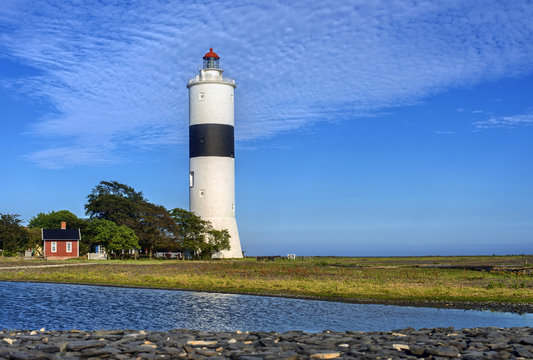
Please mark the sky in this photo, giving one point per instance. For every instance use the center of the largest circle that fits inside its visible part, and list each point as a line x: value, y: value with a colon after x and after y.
x: 363, y: 128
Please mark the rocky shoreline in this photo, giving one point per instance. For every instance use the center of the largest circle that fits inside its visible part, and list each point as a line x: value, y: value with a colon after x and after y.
x: 438, y: 343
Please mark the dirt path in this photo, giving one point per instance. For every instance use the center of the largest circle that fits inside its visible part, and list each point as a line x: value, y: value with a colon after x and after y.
x: 43, y: 266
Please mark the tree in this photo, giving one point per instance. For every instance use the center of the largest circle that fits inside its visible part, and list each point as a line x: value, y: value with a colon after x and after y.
x: 120, y: 203
x: 124, y: 238
x: 35, y: 240
x: 53, y: 219
x: 113, y: 237
x: 157, y: 227
x: 111, y: 200
x: 198, y: 235
x: 216, y: 240
x: 13, y: 237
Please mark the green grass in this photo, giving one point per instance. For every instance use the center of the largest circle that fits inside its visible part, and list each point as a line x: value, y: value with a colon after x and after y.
x: 382, y: 279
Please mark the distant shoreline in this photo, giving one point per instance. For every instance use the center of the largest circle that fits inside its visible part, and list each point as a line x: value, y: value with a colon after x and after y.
x: 516, y: 308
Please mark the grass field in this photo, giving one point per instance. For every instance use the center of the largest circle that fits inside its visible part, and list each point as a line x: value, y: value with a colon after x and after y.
x: 350, y: 279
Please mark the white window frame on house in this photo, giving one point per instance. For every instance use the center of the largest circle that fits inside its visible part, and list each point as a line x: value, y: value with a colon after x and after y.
x: 69, y: 246
x: 53, y: 246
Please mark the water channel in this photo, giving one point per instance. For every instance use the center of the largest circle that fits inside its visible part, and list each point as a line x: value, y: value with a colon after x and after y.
x: 83, y: 307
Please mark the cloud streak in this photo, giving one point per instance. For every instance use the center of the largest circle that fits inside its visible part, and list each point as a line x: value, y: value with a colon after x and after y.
x: 116, y: 75
x: 506, y: 122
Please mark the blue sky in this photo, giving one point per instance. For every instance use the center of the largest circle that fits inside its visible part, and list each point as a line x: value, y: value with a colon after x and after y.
x: 363, y: 128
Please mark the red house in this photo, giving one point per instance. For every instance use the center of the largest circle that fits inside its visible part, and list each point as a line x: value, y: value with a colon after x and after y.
x: 61, y: 244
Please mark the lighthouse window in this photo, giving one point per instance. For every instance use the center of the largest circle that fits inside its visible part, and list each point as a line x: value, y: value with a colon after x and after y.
x: 201, y: 96
x: 202, y: 140
x: 191, y: 179
x: 202, y: 193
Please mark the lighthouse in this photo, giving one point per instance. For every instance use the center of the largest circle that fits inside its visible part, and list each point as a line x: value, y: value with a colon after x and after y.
x: 212, y: 150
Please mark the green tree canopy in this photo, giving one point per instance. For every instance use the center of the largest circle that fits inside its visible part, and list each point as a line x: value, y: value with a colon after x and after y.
x: 13, y: 237
x: 111, y: 200
x: 198, y: 235
x: 120, y: 203
x: 35, y: 240
x: 215, y: 241
x: 53, y: 219
x: 113, y: 237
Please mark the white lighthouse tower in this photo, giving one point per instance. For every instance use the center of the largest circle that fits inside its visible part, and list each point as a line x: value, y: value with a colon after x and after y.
x: 212, y: 150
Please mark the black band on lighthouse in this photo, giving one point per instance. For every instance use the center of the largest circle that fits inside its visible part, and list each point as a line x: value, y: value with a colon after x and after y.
x: 211, y: 140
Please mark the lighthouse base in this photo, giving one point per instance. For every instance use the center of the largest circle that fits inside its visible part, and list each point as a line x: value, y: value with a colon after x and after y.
x: 230, y: 224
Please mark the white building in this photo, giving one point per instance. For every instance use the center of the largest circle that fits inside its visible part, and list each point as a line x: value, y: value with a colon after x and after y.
x: 212, y: 150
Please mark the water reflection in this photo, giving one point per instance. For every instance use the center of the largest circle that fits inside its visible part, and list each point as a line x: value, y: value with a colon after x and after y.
x: 59, y: 306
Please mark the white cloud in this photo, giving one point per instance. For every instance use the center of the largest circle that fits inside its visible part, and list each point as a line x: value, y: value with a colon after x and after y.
x: 70, y: 156
x: 117, y: 74
x: 508, y: 122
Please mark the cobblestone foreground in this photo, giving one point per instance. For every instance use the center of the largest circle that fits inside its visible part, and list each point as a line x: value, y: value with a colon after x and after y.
x: 439, y: 343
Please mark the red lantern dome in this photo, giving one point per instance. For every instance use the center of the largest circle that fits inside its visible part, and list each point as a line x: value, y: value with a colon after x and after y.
x: 211, y: 60
x: 211, y: 54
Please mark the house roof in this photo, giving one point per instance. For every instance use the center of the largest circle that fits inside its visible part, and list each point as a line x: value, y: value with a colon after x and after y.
x: 61, y: 234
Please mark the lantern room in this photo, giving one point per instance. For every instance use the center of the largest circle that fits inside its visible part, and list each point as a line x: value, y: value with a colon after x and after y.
x: 211, y: 60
